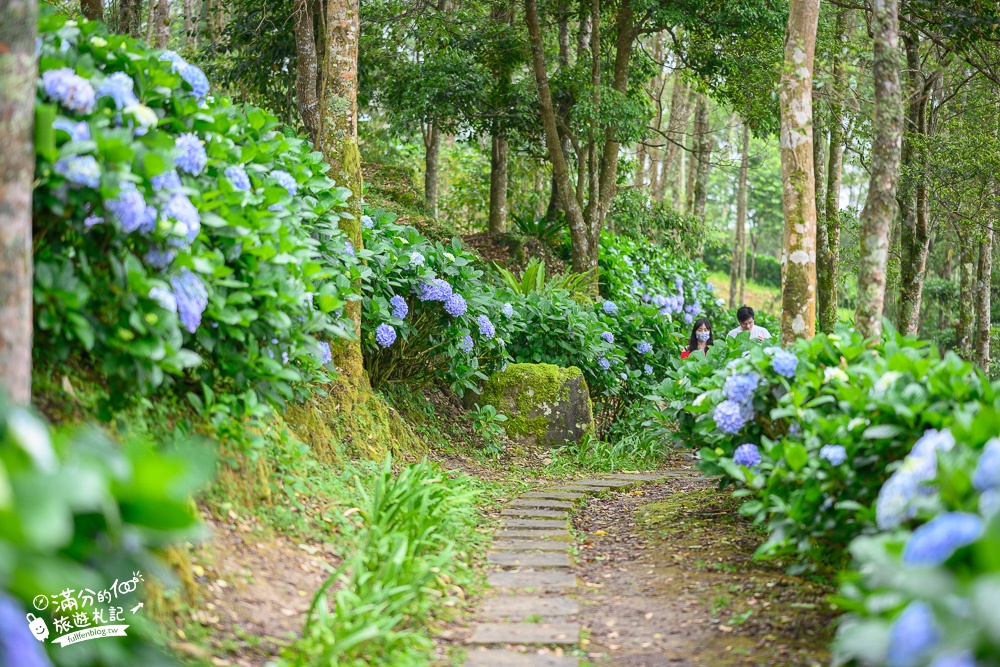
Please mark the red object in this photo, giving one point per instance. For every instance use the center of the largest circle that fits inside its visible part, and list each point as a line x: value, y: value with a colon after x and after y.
x: 685, y: 354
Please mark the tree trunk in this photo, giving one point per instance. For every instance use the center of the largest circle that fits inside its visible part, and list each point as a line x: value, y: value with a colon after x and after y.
x: 307, y: 80
x: 675, y: 125
x: 655, y: 150
x: 798, y: 258
x: 966, y: 294
x: 754, y: 240
x: 18, y: 71
x: 704, y: 158
x: 819, y: 176
x: 640, y: 165
x: 432, y: 150
x: 161, y: 28
x: 691, y: 175
x: 498, y: 184
x: 93, y: 9
x: 679, y: 185
x: 738, y: 270
x: 880, y: 204
x: 983, y: 288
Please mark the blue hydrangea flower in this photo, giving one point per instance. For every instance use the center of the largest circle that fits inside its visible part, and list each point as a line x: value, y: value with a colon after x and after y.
x: 399, y: 307
x: 76, y: 131
x: 647, y: 369
x: 608, y: 337
x: 192, y: 157
x: 192, y: 298
x: 118, y: 87
x: 285, y: 180
x: 637, y: 284
x: 237, y: 175
x: 794, y: 428
x: 740, y: 388
x: 784, y: 363
x: 921, y: 462
x: 131, y: 211
x: 274, y: 208
x: 729, y: 417
x: 688, y: 318
x: 385, y: 335
x: 747, y: 455
x: 176, y: 62
x: 610, y: 307
x: 604, y: 364
x: 644, y: 348
x: 367, y: 221
x: 325, y: 354
x: 645, y: 269
x: 168, y: 180
x: 159, y: 259
x: 660, y: 301
x: 455, y: 305
x: 183, y: 211
x: 164, y: 297
x: 679, y: 283
x: 987, y: 475
x: 196, y: 79
x: 80, y: 170
x: 710, y: 287
x: 989, y: 502
x: 92, y: 220
x: 486, y: 327
x: 893, y: 504
x: 960, y: 659
x: 913, y: 636
x: 507, y: 309
x: 435, y: 290
x: 835, y: 454
x: 416, y: 259
x: 72, y: 91
x: 18, y: 646
x: 694, y: 309
x: 466, y: 344
x: 934, y: 542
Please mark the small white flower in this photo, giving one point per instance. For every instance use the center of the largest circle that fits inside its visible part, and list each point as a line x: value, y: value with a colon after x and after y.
x: 99, y: 42
x: 831, y: 373
x: 856, y: 422
x: 143, y: 115
x: 884, y: 382
x: 700, y: 399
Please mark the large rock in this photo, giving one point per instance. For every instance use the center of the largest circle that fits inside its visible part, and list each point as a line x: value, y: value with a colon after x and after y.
x: 545, y: 404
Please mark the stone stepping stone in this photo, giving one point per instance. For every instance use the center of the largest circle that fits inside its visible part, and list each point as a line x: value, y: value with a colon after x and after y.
x: 495, y: 657
x: 523, y: 606
x: 526, y: 633
x: 640, y: 477
x: 528, y: 559
x: 609, y: 483
x: 530, y: 545
x: 545, y: 504
x: 527, y: 512
x: 533, y: 523
x: 531, y: 533
x: 553, y: 580
x: 554, y: 495
x: 583, y: 488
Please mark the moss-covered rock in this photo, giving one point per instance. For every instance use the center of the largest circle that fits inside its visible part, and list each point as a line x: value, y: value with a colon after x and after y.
x: 545, y: 404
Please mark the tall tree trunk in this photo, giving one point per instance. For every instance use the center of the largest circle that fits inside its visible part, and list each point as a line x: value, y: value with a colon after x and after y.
x: 983, y: 288
x: 738, y: 270
x: 432, y: 150
x: 18, y: 71
x: 966, y: 293
x: 703, y: 158
x: 880, y: 204
x: 691, y: 176
x: 161, y: 28
x: 307, y: 80
x: 678, y: 100
x: 754, y: 240
x: 93, y: 9
x: 640, y: 165
x: 679, y: 186
x: 655, y: 150
x: 498, y: 184
x: 828, y: 260
x: 798, y: 257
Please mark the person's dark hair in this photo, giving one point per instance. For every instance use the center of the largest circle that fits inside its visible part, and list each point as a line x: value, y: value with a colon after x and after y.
x: 693, y: 341
x: 744, y: 314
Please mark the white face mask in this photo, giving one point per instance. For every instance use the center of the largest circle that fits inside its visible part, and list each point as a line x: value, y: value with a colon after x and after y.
x: 703, y: 336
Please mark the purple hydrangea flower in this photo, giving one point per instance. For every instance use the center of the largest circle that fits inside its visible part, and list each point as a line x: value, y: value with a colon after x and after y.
x: 913, y: 636
x: 486, y: 327
x: 608, y: 337
x: 159, y: 259
x: 285, y: 180
x: 604, y: 364
x: 168, y: 180
x: 987, y: 474
x: 455, y: 305
x: 325, y: 355
x: 118, y: 87
x: 416, y: 259
x: 729, y: 417
x: 192, y: 157
x: 164, y: 297
x: 747, y: 455
x: 367, y: 222
x: 647, y: 369
x: 195, y: 78
x: 399, y: 307
x: 237, y: 175
x: 835, y: 454
x: 176, y: 62
x: 183, y: 211
x: 466, y: 344
x: 934, y: 542
x: 80, y: 170
x: 385, y: 335
x: 507, y: 310
x: 610, y: 307
x: 18, y: 646
x: 349, y: 248
x: 70, y: 90
x: 644, y: 348
x: 740, y: 388
x: 76, y: 131
x: 688, y: 318
x: 131, y: 211
x: 192, y: 298
x: 784, y: 363
x: 92, y: 220
x: 436, y: 290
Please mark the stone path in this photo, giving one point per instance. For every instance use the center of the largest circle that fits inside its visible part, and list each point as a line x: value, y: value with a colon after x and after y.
x: 532, y: 621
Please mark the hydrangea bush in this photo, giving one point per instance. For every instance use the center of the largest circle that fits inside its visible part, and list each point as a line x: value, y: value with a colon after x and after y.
x: 179, y: 238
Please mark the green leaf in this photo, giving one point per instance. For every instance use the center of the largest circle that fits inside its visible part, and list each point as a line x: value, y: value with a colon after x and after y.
x: 45, y: 134
x: 881, y: 432
x: 795, y: 455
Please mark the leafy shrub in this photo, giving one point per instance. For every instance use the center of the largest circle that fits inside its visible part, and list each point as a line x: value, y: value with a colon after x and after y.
x: 634, y: 214
x: 532, y: 279
x: 547, y: 230
x: 179, y: 238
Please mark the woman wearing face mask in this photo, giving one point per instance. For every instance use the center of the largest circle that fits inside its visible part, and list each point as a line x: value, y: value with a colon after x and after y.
x: 701, y: 338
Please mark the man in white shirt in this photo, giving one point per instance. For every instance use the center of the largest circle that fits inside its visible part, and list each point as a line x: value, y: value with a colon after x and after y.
x: 745, y: 317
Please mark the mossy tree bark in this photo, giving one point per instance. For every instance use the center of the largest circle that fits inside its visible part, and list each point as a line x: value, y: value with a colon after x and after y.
x: 703, y: 157
x: 798, y: 257
x: 432, y: 150
x: 880, y: 204
x: 18, y: 70
x: 93, y: 9
x: 983, y: 293
x: 498, y: 183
